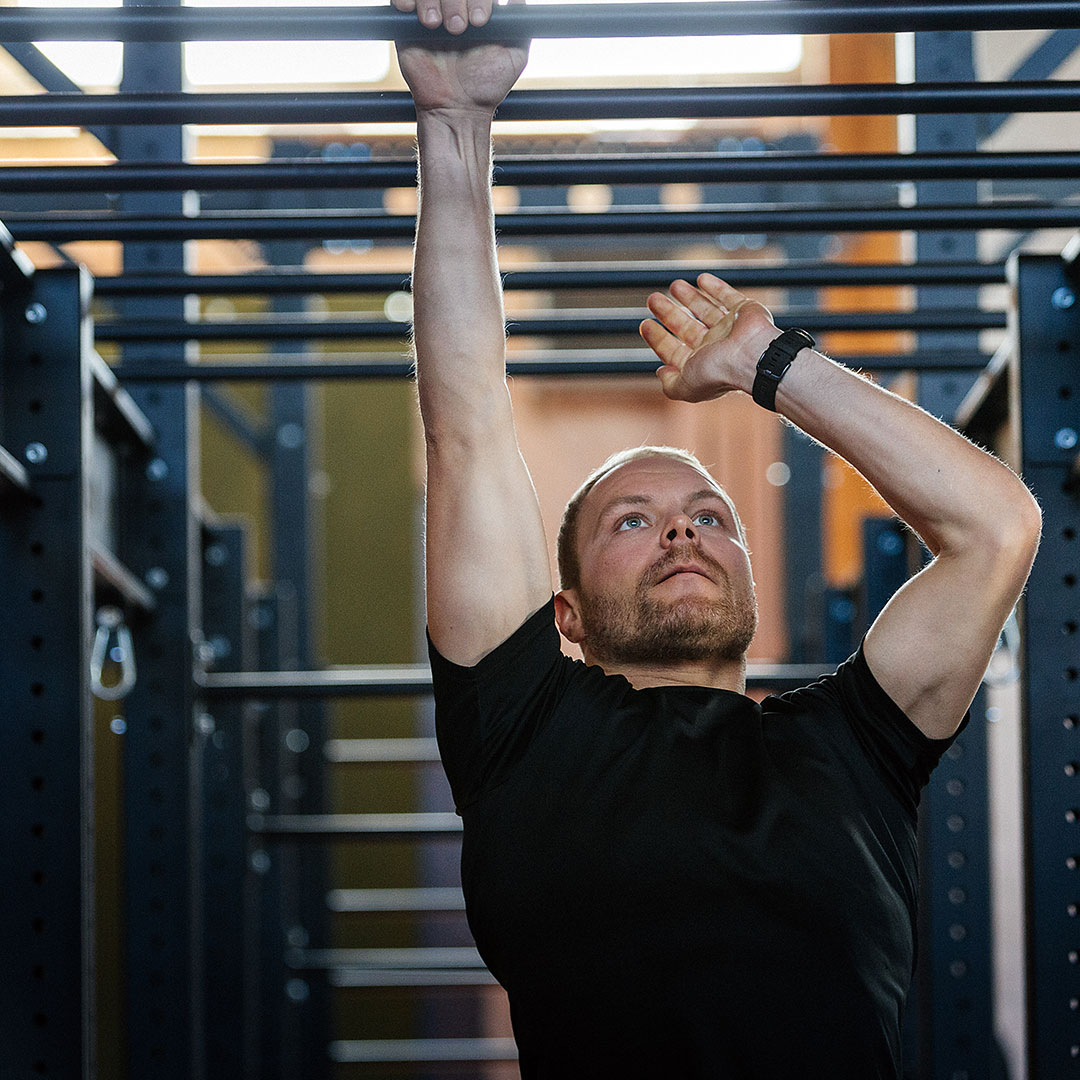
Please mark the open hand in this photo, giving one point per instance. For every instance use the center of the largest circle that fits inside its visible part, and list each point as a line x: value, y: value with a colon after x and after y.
x: 452, y: 75
x: 709, y: 338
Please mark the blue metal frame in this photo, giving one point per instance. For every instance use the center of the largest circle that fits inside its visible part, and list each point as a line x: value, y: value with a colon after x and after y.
x: 46, y: 875
x: 952, y: 1006
x: 1046, y: 374
x: 161, y: 542
x: 227, y: 942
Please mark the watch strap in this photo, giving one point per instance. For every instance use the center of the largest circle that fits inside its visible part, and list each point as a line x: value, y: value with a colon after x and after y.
x: 774, y: 362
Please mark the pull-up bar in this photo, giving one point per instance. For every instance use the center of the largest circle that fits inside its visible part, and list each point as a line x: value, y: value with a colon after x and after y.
x: 66, y: 227
x: 553, y: 363
x: 563, y: 276
x: 697, y: 102
x: 519, y: 21
x: 567, y: 324
x: 524, y: 172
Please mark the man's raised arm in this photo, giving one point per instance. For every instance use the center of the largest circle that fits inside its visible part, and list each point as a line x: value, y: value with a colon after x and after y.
x: 931, y: 645
x: 487, y: 562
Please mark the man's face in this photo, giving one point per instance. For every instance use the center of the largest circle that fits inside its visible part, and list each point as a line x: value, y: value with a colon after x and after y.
x: 665, y: 576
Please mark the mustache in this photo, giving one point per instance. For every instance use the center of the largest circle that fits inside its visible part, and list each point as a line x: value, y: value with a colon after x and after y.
x: 663, y: 566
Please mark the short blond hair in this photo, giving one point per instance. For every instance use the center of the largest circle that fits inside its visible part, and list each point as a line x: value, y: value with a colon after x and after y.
x: 566, y: 544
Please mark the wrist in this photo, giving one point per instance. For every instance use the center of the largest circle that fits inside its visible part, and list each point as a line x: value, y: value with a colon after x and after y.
x: 755, y: 346
x: 455, y: 146
x: 455, y: 117
x: 776, y: 359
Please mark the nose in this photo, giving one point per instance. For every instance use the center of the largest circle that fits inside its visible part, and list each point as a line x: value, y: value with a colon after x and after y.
x: 679, y: 528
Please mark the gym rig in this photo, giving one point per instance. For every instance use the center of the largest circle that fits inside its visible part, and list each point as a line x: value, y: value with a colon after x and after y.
x: 226, y: 964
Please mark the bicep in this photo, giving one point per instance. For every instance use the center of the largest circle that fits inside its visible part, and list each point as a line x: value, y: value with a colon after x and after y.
x: 930, y: 646
x: 487, y: 559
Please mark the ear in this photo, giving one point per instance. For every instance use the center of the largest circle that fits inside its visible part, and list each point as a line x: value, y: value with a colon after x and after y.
x: 568, y: 616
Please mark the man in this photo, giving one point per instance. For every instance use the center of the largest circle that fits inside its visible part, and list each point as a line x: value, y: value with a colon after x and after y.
x: 669, y: 879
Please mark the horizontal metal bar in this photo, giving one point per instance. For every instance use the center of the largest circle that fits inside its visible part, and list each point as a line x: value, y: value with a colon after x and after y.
x: 352, y: 978
x: 699, y: 102
x: 374, y: 750
x: 13, y: 474
x: 986, y: 404
x: 372, y: 680
x: 113, y: 579
x: 321, y: 826
x: 414, y: 680
x: 348, y: 1051
x: 576, y: 362
x: 115, y: 409
x: 526, y: 172
x: 419, y: 899
x: 385, y: 959
x: 570, y: 324
x: 565, y: 276
x: 167, y: 23
x: 16, y: 269
x: 62, y: 228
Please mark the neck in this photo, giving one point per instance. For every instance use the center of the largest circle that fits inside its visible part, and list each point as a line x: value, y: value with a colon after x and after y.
x: 718, y: 674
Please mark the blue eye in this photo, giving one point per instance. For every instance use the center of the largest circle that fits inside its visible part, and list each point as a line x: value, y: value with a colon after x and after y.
x: 706, y: 518
x: 632, y: 521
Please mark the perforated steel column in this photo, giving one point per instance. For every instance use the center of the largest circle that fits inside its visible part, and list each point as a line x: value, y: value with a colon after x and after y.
x: 954, y: 981
x: 46, y: 873
x: 228, y: 969
x: 1047, y: 375
x: 160, y: 542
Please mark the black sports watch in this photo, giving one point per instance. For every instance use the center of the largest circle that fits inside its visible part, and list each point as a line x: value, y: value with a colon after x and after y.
x: 775, y: 361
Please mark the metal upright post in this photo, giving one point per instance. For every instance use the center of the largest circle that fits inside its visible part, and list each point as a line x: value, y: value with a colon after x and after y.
x: 952, y: 1003
x: 1046, y: 400
x: 160, y: 541
x: 223, y: 820
x: 46, y: 874
x: 263, y: 753
x: 292, y: 429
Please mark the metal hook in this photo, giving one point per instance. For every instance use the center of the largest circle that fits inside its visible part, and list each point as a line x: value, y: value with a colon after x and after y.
x: 111, y: 626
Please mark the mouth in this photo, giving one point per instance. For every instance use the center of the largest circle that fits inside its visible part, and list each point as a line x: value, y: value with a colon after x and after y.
x: 675, y: 571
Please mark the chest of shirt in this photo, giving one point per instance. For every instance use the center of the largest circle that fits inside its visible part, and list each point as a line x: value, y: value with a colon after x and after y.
x: 686, y: 829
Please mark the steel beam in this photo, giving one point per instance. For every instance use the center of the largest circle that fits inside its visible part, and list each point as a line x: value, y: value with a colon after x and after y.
x: 175, y: 24
x: 395, y: 107
x: 63, y: 228
x: 1046, y: 372
x: 48, y: 986
x: 13, y: 475
x: 384, y: 1051
x: 588, y: 322
x: 227, y: 942
x: 564, y: 276
x: 160, y: 542
x: 557, y: 364
x: 768, y: 167
x: 411, y: 680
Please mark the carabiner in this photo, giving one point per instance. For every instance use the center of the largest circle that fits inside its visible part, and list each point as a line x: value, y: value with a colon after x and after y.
x: 111, y: 626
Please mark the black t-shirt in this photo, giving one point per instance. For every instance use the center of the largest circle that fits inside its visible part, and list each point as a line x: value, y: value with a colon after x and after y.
x: 679, y: 882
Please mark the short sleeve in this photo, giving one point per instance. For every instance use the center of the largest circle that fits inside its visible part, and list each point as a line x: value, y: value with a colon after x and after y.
x: 487, y: 715
x: 901, y: 753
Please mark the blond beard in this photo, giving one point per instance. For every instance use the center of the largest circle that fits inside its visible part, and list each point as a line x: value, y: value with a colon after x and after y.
x: 640, y: 629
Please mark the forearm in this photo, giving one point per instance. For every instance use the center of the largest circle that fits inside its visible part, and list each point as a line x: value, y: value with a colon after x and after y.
x: 458, y: 314
x: 954, y: 495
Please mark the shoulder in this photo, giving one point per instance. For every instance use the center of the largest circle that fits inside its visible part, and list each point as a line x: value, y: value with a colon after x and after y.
x: 849, y: 709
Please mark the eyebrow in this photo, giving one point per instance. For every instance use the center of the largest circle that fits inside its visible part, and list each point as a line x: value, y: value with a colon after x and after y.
x: 644, y: 500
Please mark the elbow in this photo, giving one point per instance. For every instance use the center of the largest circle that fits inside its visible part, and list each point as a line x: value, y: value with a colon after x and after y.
x: 456, y: 416
x: 1011, y: 539
x: 1004, y: 533
x: 1023, y: 530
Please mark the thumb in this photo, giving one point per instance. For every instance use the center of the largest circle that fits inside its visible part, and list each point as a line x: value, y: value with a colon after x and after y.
x: 669, y: 380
